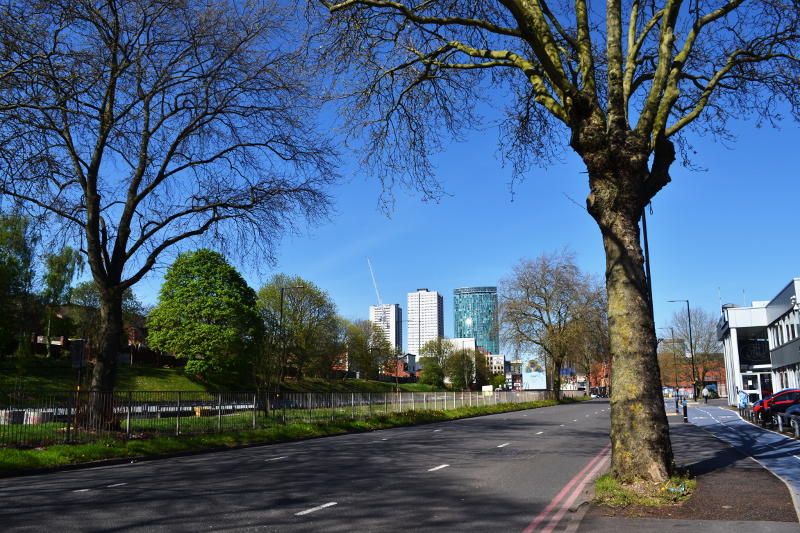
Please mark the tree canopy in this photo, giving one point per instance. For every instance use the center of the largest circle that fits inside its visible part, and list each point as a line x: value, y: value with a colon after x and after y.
x: 206, y: 313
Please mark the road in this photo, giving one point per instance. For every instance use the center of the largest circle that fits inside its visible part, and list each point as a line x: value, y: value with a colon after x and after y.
x: 505, y: 472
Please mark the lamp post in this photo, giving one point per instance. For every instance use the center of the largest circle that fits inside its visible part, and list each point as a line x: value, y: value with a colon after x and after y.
x: 283, y: 340
x: 691, y: 345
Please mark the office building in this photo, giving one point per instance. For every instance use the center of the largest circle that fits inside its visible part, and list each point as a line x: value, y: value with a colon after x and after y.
x: 475, y: 313
x: 425, y: 318
x: 761, y: 343
x: 389, y: 317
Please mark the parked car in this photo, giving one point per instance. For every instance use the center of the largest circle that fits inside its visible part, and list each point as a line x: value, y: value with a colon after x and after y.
x: 777, y: 403
x: 793, y: 409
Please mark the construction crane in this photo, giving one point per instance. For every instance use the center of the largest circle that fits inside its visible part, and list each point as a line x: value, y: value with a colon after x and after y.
x: 384, y: 322
x: 383, y: 319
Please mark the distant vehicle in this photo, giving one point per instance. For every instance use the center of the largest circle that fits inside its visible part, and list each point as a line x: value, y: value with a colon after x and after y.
x: 777, y: 403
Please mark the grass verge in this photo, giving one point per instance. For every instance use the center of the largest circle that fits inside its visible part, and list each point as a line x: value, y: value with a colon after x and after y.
x: 613, y: 493
x: 13, y: 460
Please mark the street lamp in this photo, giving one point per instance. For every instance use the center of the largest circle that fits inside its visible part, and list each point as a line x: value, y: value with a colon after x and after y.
x: 283, y: 339
x: 691, y: 345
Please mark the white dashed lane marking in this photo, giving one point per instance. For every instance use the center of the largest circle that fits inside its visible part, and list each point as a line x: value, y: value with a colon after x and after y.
x: 275, y: 458
x: 540, y: 432
x: 503, y: 445
x: 116, y: 485
x: 317, y: 508
x: 437, y: 468
x: 81, y: 490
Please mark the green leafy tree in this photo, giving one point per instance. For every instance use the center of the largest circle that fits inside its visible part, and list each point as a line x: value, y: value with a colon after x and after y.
x: 61, y: 269
x: 369, y: 351
x: 459, y: 368
x: 17, y: 245
x: 303, y: 335
x: 498, y: 381
x: 206, y: 313
x: 432, y: 357
x: 621, y: 84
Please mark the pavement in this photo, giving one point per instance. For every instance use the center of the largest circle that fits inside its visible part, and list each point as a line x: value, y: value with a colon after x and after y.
x: 748, y: 479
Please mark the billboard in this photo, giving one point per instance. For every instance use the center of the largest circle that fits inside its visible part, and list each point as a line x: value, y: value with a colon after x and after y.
x: 533, y: 376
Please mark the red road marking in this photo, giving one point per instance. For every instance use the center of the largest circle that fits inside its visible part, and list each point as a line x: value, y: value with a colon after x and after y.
x: 569, y: 501
x: 536, y: 521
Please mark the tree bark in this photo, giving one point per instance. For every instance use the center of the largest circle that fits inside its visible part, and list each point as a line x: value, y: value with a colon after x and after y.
x: 99, y: 414
x: 109, y: 338
x: 618, y: 173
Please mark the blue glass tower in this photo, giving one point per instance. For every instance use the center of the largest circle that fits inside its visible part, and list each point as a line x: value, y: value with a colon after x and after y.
x: 476, y: 316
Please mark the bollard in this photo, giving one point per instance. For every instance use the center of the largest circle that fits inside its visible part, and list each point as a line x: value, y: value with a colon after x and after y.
x: 676, y: 405
x: 685, y: 412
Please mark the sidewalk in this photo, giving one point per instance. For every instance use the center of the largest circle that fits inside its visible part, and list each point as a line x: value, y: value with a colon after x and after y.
x: 734, y: 492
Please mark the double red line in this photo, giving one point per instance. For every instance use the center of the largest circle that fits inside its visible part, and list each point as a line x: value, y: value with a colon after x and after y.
x: 564, y: 499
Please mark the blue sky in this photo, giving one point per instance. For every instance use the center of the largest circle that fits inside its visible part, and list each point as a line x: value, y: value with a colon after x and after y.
x: 713, y: 233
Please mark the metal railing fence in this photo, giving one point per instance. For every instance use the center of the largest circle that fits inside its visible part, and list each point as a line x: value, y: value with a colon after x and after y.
x: 31, y: 418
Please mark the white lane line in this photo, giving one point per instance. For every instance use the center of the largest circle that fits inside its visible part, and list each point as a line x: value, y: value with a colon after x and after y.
x: 435, y: 430
x: 384, y: 439
x: 275, y: 458
x: 504, y: 445
x: 317, y: 508
x: 561, y: 425
x: 81, y: 490
x: 115, y: 485
x: 797, y: 457
x: 437, y: 468
x: 574, y: 420
x: 540, y: 432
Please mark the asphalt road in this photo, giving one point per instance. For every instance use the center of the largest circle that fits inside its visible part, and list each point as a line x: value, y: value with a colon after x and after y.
x: 492, y: 473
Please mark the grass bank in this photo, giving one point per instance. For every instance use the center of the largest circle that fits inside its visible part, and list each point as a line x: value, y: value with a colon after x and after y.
x: 45, y: 374
x: 13, y: 460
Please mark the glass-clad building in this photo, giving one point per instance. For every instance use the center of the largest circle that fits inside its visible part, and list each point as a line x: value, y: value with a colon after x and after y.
x: 476, y: 316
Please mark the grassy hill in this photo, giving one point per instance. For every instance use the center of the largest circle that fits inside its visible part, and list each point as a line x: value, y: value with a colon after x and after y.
x: 41, y: 373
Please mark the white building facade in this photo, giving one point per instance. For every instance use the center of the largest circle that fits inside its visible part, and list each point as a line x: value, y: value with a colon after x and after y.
x: 761, y: 344
x: 425, y: 318
x: 389, y: 317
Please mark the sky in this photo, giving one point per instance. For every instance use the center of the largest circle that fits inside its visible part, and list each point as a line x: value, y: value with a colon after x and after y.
x: 728, y: 233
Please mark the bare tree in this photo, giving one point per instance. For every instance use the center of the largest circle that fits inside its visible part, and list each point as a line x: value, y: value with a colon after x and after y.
x: 705, y: 346
x: 619, y: 86
x: 543, y: 305
x: 141, y: 125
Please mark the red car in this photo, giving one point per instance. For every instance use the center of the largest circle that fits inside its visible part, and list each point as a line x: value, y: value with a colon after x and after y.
x: 777, y: 403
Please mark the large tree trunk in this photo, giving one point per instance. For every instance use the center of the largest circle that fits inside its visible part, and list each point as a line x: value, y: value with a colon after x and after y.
x: 639, y: 428
x: 99, y: 410
x: 618, y: 173
x: 109, y: 337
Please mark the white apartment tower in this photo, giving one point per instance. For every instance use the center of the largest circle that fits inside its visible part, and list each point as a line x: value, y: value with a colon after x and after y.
x: 389, y: 317
x: 425, y: 318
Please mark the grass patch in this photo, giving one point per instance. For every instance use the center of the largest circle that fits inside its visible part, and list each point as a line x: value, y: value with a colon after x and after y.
x: 63, y: 454
x: 611, y: 492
